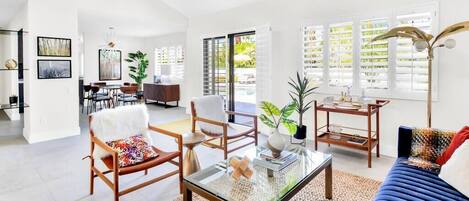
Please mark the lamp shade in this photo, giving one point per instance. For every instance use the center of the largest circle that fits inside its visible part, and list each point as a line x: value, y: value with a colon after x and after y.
x: 450, y: 43
x: 420, y: 45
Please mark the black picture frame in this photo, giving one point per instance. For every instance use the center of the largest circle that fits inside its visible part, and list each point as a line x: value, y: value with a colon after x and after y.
x: 40, y: 45
x: 101, y: 66
x: 42, y: 76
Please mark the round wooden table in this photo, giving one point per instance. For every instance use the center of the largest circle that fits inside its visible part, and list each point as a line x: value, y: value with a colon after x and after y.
x: 191, y: 163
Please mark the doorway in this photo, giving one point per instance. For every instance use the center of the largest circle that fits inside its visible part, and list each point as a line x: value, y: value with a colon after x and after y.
x: 230, y: 71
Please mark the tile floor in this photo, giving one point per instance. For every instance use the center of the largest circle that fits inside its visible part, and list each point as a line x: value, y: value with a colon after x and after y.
x: 54, y: 170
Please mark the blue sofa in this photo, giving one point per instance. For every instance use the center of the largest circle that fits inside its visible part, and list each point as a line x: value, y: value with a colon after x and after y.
x: 405, y: 182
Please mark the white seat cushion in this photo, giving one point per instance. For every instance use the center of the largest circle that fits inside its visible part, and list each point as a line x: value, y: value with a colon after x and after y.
x: 234, y: 130
x: 455, y: 171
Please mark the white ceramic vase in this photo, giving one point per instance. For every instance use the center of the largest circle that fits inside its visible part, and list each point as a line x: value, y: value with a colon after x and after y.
x: 276, y: 143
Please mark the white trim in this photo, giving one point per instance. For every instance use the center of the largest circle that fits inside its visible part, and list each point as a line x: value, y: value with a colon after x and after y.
x: 49, y: 135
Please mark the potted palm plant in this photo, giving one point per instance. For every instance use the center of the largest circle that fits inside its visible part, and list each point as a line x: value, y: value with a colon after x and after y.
x: 138, y: 73
x: 301, y: 90
x: 273, y: 117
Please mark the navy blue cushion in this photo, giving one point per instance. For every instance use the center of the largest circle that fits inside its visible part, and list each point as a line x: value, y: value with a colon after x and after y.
x: 405, y: 182
x: 404, y: 143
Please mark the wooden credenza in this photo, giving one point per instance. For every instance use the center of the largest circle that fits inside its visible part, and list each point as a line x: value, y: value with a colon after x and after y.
x: 161, y: 93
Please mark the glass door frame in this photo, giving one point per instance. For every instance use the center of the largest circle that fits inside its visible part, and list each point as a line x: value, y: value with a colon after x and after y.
x: 231, y: 71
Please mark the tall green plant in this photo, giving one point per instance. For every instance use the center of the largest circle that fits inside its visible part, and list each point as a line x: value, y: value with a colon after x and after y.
x: 301, y: 90
x: 138, y: 73
x: 273, y: 116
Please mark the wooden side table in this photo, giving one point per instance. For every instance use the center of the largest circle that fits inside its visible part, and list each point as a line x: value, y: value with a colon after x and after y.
x: 323, y: 134
x: 191, y: 162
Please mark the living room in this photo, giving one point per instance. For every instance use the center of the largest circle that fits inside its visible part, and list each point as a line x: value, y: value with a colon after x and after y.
x: 335, y: 67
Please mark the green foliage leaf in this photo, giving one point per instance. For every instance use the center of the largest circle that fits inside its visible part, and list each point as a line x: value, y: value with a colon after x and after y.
x: 138, y: 73
x: 288, y: 110
x: 270, y: 109
x: 301, y: 90
x: 267, y: 121
x: 290, y: 125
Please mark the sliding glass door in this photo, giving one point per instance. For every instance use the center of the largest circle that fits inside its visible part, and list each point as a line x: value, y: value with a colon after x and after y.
x: 230, y: 71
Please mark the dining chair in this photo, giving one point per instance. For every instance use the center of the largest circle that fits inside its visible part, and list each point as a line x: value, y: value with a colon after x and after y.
x: 87, y: 98
x: 210, y: 116
x: 129, y: 95
x: 102, y: 91
x: 123, y: 122
x: 103, y: 99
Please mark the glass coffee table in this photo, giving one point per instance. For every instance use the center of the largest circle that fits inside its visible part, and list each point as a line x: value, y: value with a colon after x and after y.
x: 216, y: 183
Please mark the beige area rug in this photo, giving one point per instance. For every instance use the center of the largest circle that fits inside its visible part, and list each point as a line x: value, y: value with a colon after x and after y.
x: 346, y: 187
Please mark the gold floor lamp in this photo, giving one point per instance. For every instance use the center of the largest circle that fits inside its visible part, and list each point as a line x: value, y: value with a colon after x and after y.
x: 423, y: 41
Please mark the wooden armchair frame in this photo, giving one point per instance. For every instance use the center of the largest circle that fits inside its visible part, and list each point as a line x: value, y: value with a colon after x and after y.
x: 116, y: 170
x: 252, y: 133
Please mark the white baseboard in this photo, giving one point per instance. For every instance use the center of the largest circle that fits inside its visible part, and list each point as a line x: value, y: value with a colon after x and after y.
x: 43, y: 136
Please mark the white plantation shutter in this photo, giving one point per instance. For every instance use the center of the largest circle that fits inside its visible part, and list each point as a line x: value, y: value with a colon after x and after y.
x: 341, y: 54
x: 313, y: 53
x: 263, y: 63
x: 374, y: 62
x: 178, y: 66
x: 215, y: 67
x: 263, y: 69
x: 171, y: 57
x: 412, y: 66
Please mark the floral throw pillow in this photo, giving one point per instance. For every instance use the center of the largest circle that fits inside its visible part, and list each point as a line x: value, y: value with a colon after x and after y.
x: 132, y: 150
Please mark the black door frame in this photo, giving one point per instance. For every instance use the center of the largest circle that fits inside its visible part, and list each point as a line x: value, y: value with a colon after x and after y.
x: 231, y: 79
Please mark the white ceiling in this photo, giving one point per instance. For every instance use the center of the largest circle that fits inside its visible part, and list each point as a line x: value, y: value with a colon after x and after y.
x: 134, y: 18
x: 131, y: 18
x: 191, y: 8
x: 8, y: 9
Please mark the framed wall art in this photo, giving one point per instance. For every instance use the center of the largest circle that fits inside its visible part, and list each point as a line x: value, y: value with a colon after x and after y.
x: 54, y: 47
x: 54, y: 69
x: 110, y: 64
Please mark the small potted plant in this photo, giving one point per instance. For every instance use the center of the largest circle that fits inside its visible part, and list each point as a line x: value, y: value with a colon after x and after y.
x: 138, y: 73
x: 273, y: 117
x: 13, y: 100
x: 301, y: 90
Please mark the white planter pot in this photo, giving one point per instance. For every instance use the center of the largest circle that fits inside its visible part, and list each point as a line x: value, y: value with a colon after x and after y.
x: 276, y: 143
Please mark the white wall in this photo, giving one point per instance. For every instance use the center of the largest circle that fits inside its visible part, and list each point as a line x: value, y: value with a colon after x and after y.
x: 287, y: 17
x: 95, y: 41
x: 54, y: 111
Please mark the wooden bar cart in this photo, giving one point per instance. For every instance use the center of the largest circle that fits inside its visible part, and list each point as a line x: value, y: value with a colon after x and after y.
x: 323, y: 133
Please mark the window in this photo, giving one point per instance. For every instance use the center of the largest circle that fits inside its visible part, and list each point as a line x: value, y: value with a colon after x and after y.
x: 170, y: 62
x: 412, y: 66
x: 313, y: 52
x: 341, y: 54
x: 338, y: 55
x: 373, y: 56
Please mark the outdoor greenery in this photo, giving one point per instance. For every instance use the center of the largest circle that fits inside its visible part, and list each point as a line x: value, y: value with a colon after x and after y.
x: 138, y: 73
x: 273, y: 116
x: 245, y: 52
x: 301, y: 90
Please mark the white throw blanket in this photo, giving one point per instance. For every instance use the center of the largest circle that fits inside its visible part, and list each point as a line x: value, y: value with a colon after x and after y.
x: 119, y: 123
x: 210, y: 107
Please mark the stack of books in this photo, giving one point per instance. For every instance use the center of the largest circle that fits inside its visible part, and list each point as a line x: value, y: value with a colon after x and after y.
x: 265, y: 159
